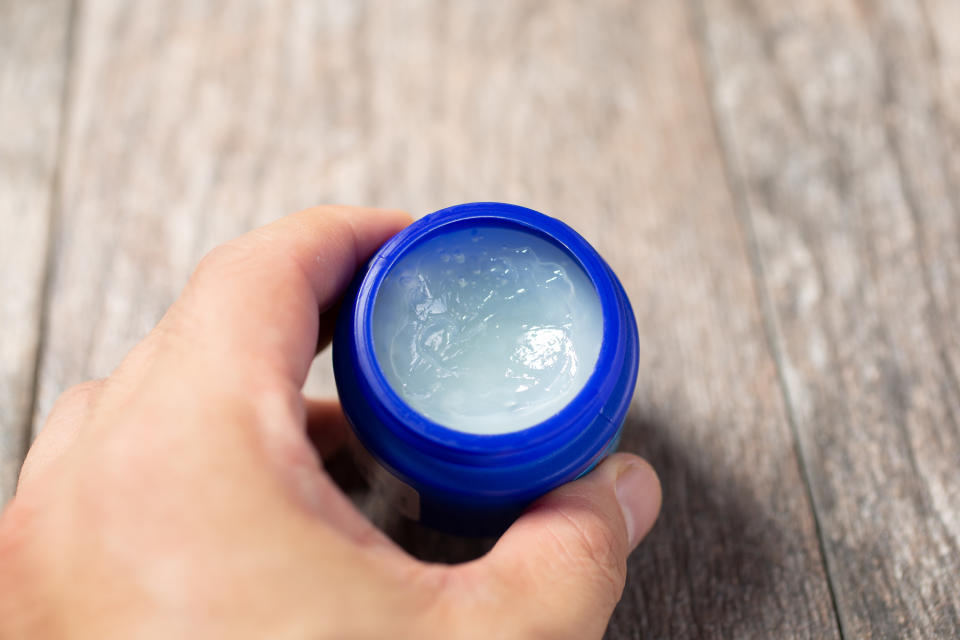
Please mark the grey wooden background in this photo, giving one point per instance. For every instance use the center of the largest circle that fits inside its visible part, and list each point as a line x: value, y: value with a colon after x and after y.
x: 777, y: 183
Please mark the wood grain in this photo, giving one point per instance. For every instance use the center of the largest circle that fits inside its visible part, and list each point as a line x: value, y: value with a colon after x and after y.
x: 33, y: 59
x: 840, y: 126
x: 194, y: 121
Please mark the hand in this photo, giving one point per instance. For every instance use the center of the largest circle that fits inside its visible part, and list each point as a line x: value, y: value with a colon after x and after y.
x: 181, y: 496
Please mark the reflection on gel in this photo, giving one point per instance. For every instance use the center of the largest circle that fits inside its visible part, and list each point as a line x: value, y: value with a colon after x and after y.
x: 487, y: 330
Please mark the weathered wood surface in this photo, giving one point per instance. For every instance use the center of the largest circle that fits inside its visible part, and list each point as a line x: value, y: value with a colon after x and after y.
x: 776, y: 185
x: 33, y: 61
x: 840, y: 127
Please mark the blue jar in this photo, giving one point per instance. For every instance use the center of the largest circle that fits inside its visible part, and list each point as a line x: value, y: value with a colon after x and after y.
x: 475, y: 474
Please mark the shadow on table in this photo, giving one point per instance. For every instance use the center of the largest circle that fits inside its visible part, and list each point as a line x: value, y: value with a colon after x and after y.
x: 708, y: 568
x: 714, y: 564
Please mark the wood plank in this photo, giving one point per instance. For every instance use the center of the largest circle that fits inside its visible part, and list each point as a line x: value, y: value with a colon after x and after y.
x: 33, y: 62
x: 840, y: 134
x: 194, y: 121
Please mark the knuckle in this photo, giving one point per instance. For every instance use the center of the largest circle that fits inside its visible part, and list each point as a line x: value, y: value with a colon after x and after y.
x: 244, y: 258
x: 224, y: 264
x: 222, y: 257
x: 77, y: 396
x: 591, y: 543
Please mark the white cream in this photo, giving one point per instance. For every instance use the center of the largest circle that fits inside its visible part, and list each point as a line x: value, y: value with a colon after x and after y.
x: 487, y: 330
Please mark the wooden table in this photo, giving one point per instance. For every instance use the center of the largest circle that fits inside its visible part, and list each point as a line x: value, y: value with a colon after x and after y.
x: 778, y: 185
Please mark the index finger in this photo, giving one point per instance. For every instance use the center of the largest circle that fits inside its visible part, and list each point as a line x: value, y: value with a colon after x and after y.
x: 255, y: 302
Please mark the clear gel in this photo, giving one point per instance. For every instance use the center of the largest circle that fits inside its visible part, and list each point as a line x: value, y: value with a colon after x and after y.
x: 487, y: 330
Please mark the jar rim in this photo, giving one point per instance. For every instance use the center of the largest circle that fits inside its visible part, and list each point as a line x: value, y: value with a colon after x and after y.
x: 414, y: 427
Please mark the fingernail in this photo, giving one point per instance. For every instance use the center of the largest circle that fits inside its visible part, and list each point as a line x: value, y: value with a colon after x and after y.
x: 638, y: 492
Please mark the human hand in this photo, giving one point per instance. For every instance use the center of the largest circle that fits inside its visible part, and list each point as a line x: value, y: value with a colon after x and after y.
x: 181, y: 496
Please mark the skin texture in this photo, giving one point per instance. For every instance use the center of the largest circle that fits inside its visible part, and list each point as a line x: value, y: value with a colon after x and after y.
x: 182, y: 496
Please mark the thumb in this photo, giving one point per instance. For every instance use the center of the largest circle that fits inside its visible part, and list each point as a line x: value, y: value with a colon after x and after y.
x: 563, y: 563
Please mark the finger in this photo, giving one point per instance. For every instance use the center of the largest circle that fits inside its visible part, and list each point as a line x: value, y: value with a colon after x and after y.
x: 251, y: 319
x: 252, y: 309
x: 60, y: 430
x: 233, y: 352
x: 565, y: 558
x: 327, y: 427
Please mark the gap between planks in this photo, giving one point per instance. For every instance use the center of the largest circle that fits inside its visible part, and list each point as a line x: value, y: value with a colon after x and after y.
x: 741, y: 207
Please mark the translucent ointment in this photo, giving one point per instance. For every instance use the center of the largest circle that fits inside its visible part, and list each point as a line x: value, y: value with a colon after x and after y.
x: 487, y: 330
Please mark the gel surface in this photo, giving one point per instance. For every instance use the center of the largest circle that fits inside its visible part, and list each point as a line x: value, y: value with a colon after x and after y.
x: 487, y: 330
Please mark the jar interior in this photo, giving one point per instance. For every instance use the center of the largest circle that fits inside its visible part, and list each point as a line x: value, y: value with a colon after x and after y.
x: 487, y: 329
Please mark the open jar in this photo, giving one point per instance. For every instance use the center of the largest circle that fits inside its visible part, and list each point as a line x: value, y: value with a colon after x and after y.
x: 485, y: 355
